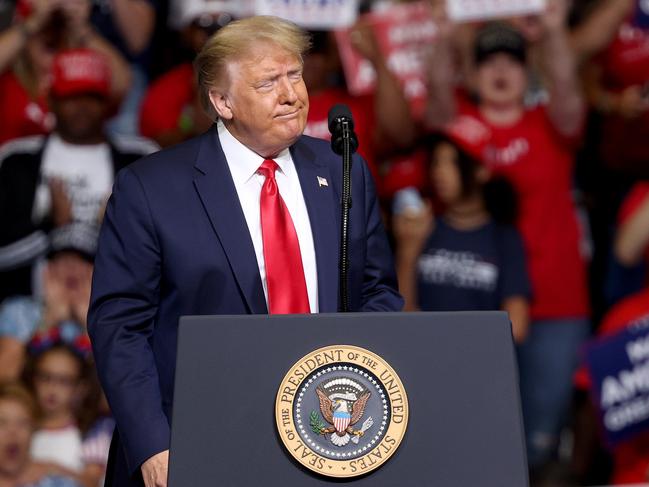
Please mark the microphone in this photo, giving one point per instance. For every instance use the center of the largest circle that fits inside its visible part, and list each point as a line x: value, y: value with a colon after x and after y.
x: 343, y: 143
x: 341, y: 126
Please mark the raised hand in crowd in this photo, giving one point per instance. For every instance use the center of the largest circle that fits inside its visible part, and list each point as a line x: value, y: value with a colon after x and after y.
x: 599, y: 28
x: 566, y: 103
x: 77, y: 13
x: 56, y: 299
x: 61, y: 204
x: 411, y: 227
x: 81, y: 34
x: 14, y: 39
x: 80, y: 297
x: 441, y: 101
x: 392, y: 110
x: 136, y: 22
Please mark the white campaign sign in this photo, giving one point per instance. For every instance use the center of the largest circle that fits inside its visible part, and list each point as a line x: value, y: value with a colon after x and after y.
x: 468, y: 10
x: 312, y: 14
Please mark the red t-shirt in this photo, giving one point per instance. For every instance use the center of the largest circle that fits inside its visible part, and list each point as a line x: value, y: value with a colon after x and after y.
x: 539, y: 162
x: 631, y: 458
x: 20, y: 115
x: 362, y: 108
x: 625, y: 63
x: 165, y: 101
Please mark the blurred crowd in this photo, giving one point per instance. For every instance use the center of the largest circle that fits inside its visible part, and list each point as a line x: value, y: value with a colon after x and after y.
x: 521, y: 187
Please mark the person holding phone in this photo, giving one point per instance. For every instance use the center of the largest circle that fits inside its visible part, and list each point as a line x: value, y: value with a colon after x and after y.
x: 468, y: 256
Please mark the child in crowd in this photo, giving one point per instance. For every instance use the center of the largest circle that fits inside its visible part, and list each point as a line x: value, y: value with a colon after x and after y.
x: 17, y: 418
x: 470, y: 257
x: 58, y: 380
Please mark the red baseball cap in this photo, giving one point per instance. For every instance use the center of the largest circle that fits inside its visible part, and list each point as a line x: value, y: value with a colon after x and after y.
x: 80, y: 71
x: 470, y: 135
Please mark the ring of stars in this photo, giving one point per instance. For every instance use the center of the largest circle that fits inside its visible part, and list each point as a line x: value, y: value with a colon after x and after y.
x: 304, y: 431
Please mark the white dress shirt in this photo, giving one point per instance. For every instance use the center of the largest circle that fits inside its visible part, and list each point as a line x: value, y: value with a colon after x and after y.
x: 243, y: 164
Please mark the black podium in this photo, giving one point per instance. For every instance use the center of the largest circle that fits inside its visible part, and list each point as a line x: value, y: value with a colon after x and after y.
x: 458, y: 369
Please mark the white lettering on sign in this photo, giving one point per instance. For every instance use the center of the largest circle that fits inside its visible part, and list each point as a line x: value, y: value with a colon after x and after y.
x: 470, y: 10
x: 638, y: 349
x: 628, y: 414
x: 626, y: 385
x: 313, y: 14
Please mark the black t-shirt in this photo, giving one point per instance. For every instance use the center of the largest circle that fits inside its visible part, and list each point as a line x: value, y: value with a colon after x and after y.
x: 462, y: 270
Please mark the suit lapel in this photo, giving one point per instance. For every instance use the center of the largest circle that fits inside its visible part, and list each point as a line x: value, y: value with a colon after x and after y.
x: 216, y: 189
x: 321, y: 207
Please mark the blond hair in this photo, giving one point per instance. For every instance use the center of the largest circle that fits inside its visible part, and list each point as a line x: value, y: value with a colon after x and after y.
x: 235, y: 40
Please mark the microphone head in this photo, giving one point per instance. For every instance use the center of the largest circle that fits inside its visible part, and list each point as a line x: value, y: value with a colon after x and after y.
x: 337, y: 114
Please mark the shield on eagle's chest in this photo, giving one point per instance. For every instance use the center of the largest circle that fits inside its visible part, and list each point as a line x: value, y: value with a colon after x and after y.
x: 341, y: 421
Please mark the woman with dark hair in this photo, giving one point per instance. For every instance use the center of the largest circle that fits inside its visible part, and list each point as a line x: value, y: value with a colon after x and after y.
x: 469, y: 257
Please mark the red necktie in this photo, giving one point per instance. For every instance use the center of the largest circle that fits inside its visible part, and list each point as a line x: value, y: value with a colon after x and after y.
x: 284, y: 272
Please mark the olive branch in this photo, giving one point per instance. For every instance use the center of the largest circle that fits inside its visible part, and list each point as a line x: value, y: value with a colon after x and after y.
x: 316, y: 423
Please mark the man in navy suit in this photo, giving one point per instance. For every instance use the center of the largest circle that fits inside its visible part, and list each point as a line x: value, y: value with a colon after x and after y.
x: 243, y: 219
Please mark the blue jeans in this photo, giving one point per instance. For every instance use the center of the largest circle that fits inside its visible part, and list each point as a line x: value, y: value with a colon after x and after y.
x: 547, y: 361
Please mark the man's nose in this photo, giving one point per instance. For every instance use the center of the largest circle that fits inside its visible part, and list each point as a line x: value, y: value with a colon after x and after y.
x: 287, y: 91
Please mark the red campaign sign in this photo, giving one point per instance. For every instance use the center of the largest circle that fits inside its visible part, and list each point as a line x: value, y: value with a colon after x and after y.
x: 403, y: 33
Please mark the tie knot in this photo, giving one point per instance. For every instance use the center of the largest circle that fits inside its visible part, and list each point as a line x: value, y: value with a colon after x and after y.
x: 268, y: 168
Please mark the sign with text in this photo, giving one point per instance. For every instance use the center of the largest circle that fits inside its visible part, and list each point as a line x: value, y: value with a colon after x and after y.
x: 311, y: 14
x: 403, y: 33
x: 619, y: 368
x: 470, y: 10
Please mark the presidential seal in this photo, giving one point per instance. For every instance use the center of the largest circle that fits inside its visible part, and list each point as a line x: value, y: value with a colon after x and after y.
x: 341, y: 411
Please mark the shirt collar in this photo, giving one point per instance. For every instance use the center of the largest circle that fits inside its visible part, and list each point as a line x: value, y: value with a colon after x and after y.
x: 243, y: 161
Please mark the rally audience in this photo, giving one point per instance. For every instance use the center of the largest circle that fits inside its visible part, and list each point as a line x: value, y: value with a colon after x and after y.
x: 171, y: 110
x: 532, y: 148
x: 27, y: 48
x: 382, y: 121
x: 62, y: 305
x: 50, y: 181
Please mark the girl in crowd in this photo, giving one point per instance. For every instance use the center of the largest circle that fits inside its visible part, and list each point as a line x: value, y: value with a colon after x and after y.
x: 59, y: 382
x: 468, y: 258
x: 17, y: 419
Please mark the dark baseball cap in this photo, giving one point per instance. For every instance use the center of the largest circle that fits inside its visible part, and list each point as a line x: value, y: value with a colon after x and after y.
x: 77, y: 237
x: 498, y: 38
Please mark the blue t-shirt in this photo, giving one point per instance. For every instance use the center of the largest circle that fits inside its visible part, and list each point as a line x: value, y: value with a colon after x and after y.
x: 464, y: 270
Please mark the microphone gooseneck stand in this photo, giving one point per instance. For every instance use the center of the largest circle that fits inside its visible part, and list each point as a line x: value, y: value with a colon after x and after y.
x: 344, y: 143
x: 346, y: 204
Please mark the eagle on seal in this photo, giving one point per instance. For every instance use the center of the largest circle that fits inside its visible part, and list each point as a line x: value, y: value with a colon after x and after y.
x: 342, y: 410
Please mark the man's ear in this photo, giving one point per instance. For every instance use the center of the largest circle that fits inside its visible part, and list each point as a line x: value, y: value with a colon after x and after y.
x: 221, y: 104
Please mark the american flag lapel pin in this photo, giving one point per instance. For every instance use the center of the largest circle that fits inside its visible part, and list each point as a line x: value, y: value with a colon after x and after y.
x: 322, y: 181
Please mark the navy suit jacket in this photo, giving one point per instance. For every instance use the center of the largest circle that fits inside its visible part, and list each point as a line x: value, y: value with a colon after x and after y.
x: 175, y: 242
